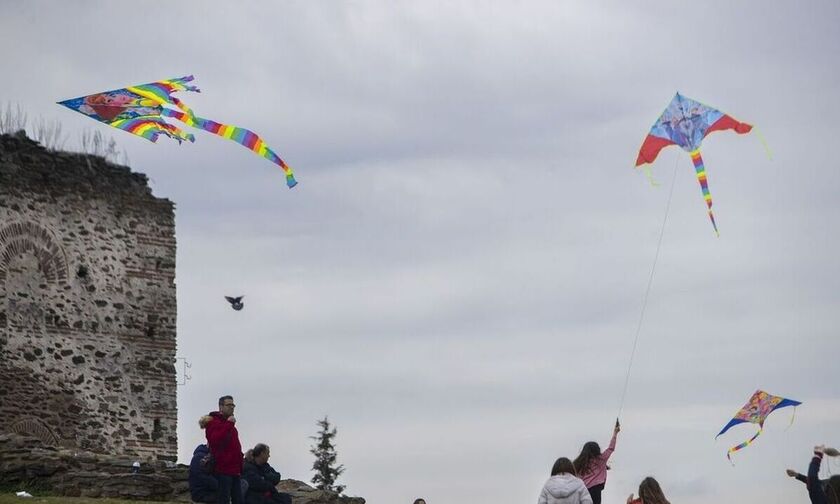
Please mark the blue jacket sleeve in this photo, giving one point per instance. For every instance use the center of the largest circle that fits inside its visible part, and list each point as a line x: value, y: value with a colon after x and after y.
x: 815, y: 489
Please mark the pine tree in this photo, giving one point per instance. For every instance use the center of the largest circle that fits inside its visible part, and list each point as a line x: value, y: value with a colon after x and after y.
x: 325, y: 458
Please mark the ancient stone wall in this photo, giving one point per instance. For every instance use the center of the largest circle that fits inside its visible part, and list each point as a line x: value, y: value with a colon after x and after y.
x: 87, y: 304
x: 65, y: 472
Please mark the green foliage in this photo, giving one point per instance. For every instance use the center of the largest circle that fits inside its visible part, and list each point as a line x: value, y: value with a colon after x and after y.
x: 326, y: 471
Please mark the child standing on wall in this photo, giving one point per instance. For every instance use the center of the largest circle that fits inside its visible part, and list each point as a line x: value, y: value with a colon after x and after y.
x: 591, y: 465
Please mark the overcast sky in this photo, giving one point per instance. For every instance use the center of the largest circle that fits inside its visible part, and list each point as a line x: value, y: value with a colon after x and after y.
x: 457, y: 279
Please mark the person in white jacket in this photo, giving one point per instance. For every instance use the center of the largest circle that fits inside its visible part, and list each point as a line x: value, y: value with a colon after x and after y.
x: 564, y: 487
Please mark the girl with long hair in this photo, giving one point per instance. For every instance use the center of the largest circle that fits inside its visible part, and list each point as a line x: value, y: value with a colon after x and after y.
x: 591, y: 465
x: 563, y: 487
x: 649, y: 493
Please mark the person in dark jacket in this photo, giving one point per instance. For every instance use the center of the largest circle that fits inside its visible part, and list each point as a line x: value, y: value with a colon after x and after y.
x: 204, y: 487
x: 819, y: 491
x: 262, y: 478
x: 223, y: 440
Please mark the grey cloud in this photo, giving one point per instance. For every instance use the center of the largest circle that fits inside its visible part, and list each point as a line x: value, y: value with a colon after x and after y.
x: 458, y: 277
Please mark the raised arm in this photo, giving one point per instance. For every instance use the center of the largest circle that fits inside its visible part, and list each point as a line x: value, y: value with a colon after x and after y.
x: 611, y: 448
x: 815, y: 489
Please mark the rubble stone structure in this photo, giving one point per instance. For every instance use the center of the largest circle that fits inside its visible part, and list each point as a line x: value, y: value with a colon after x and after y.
x: 87, y: 304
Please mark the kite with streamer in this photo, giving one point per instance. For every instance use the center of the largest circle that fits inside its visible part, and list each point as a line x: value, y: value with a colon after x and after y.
x: 760, y: 405
x: 140, y: 110
x: 686, y: 123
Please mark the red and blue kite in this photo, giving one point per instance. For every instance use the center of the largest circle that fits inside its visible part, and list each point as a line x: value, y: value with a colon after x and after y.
x: 686, y: 123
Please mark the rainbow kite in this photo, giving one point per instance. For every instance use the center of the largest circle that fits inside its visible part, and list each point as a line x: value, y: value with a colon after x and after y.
x: 140, y: 110
x: 686, y: 123
x: 760, y: 405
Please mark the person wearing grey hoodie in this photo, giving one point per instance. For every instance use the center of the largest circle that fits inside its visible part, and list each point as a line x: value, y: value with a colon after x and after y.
x: 563, y: 487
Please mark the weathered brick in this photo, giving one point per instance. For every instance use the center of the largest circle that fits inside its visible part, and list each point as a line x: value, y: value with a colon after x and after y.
x: 86, y: 254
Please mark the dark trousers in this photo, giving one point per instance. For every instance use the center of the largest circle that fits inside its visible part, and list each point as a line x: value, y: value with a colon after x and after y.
x: 230, y: 489
x: 595, y: 493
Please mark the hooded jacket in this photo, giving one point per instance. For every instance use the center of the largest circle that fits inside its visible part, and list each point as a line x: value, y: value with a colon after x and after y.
x: 203, y: 485
x: 564, y: 488
x: 223, y: 440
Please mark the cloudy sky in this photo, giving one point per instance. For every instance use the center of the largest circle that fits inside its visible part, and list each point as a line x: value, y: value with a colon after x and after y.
x: 457, y: 279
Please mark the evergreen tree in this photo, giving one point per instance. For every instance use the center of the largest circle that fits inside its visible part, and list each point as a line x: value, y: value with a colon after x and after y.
x: 325, y: 458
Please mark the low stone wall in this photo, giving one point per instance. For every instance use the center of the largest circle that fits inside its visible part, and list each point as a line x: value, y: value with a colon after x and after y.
x: 27, y: 464
x: 304, y: 494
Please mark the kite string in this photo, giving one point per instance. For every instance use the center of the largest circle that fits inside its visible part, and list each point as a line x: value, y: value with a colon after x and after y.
x: 649, y: 283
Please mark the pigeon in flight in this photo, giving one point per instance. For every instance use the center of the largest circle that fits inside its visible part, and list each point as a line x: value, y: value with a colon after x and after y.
x: 235, y: 302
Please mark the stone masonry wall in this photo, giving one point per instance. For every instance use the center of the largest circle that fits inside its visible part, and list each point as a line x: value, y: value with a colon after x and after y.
x: 87, y: 304
x: 81, y: 474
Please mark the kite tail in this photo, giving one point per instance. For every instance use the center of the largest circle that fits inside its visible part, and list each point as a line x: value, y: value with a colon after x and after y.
x: 160, y: 92
x: 764, y: 143
x: 704, y: 184
x: 241, y: 136
x: 744, y: 444
x: 792, y: 417
x: 649, y: 175
x: 152, y: 127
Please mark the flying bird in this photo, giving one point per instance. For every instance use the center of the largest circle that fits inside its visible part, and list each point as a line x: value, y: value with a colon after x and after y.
x: 235, y: 302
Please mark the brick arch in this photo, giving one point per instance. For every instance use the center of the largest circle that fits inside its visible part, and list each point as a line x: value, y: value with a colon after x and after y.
x: 36, y: 428
x: 27, y: 237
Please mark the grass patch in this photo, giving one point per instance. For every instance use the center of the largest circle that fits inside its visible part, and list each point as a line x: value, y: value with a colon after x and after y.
x: 10, y: 497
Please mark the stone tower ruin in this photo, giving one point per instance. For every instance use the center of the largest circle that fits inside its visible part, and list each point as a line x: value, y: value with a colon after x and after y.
x: 87, y: 304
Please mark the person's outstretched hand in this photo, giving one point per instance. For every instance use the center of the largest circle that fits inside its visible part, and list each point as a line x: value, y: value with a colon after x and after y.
x: 617, y: 428
x: 630, y: 499
x: 791, y: 473
x: 819, y: 448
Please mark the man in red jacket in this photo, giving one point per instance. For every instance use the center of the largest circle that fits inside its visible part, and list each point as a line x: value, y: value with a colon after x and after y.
x: 223, y: 440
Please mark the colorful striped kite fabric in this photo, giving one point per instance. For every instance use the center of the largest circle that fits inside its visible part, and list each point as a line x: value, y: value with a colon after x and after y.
x: 704, y: 184
x: 686, y: 122
x: 140, y: 110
